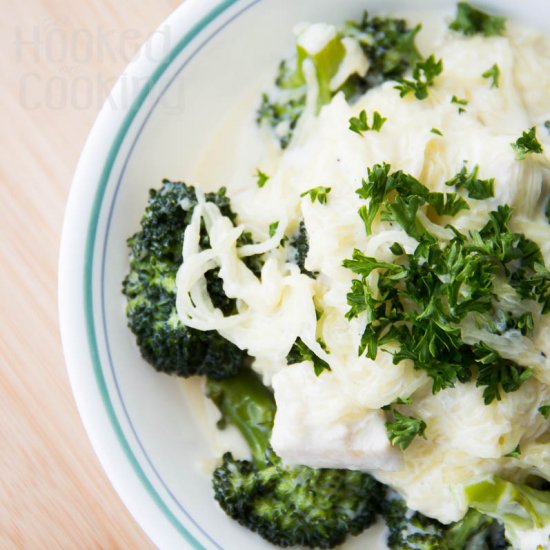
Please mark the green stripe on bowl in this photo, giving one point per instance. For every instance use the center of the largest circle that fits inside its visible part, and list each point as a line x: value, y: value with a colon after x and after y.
x: 89, y: 260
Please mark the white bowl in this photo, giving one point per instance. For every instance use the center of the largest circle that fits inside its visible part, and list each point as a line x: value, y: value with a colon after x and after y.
x: 158, y: 119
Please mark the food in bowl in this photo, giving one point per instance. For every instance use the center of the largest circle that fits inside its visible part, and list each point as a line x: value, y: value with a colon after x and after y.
x: 371, y: 310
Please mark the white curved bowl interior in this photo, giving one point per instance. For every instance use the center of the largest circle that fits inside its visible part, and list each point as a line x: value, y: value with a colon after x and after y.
x: 161, y: 115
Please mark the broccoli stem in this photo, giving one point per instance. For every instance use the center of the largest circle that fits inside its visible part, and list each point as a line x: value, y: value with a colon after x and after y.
x: 250, y: 406
x: 524, y: 511
x: 463, y: 531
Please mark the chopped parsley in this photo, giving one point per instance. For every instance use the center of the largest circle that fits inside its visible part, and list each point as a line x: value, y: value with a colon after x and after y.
x: 261, y: 178
x: 436, y: 131
x: 547, y: 125
x: 273, y: 228
x: 359, y: 124
x: 300, y: 352
x: 317, y: 193
x: 397, y: 250
x: 470, y: 21
x: 527, y: 143
x: 545, y: 411
x: 403, y: 429
x: 496, y: 372
x: 516, y: 453
x: 423, y: 74
x: 411, y: 195
x: 404, y: 401
x: 477, y: 189
x: 323, y: 344
x: 420, y: 301
x: 461, y: 103
x: 494, y: 74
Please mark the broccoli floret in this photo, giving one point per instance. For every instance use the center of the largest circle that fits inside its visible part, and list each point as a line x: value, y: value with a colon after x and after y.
x: 281, y: 116
x: 299, y: 247
x: 409, y: 530
x: 387, y: 43
x: 150, y: 286
x: 389, y: 46
x: 286, y: 505
x: 524, y: 511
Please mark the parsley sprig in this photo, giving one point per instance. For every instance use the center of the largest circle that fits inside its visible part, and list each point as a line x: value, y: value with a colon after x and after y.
x: 411, y: 195
x: 423, y: 74
x: 470, y: 21
x: 403, y: 429
x: 476, y: 188
x: 545, y: 411
x: 461, y: 103
x: 261, y: 178
x: 420, y: 300
x: 360, y: 124
x: 493, y: 74
x: 527, y: 143
x: 317, y: 193
x: 300, y: 352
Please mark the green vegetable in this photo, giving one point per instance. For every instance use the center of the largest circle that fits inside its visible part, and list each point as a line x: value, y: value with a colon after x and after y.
x: 387, y: 43
x: 359, y: 124
x: 262, y: 178
x: 520, y: 508
x: 476, y: 188
x: 436, y: 131
x: 545, y: 411
x: 286, y: 505
x: 299, y: 247
x: 404, y: 401
x: 300, y: 352
x: 403, y: 429
x: 408, y: 530
x: 516, y: 453
x: 273, y: 228
x: 397, y: 249
x: 282, y: 110
x: 317, y: 193
x: 470, y: 21
x: 526, y: 144
x: 420, y: 300
x: 423, y: 74
x: 281, y: 116
x: 494, y: 74
x: 150, y: 286
x: 411, y: 195
x: 494, y: 373
x: 460, y: 102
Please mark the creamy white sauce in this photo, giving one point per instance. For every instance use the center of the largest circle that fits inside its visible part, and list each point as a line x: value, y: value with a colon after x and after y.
x: 465, y: 438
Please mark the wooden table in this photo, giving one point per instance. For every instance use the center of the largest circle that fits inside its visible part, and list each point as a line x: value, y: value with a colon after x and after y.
x: 59, y: 60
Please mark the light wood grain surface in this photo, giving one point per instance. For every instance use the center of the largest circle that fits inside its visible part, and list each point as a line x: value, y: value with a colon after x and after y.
x: 58, y: 61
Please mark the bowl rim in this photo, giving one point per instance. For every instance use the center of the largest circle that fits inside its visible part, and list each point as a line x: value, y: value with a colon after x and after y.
x: 76, y: 277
